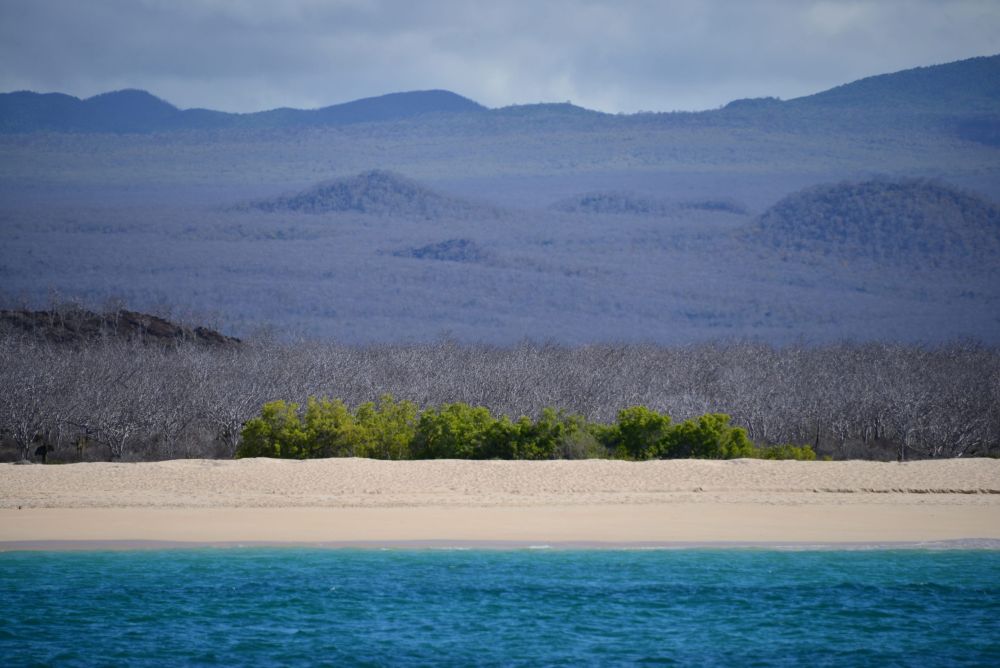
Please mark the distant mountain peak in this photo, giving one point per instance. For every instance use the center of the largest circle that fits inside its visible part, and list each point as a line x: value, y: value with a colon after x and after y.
x: 396, y: 106
x: 557, y: 108
x: 128, y: 95
x: 439, y: 98
x: 754, y: 103
x: 130, y: 110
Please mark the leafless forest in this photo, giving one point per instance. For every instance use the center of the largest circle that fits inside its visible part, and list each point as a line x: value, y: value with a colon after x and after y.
x: 128, y: 400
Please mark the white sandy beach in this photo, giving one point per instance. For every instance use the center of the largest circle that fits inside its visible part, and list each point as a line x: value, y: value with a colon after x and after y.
x: 357, y: 501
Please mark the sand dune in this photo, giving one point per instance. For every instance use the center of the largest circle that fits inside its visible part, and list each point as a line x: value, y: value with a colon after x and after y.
x: 357, y: 500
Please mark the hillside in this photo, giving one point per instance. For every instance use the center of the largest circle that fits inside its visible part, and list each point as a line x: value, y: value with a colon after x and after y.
x: 391, y: 107
x: 80, y: 325
x: 959, y: 99
x: 376, y: 192
x: 964, y: 86
x: 119, y: 111
x: 903, y: 220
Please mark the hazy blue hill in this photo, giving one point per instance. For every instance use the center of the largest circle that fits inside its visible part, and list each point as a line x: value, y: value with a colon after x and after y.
x: 129, y: 111
x: 391, y: 107
x: 543, y: 117
x: 374, y: 256
x: 25, y: 111
x: 450, y: 250
x: 719, y: 204
x: 376, y: 192
x: 614, y: 202
x: 984, y: 129
x: 955, y: 99
x: 754, y: 104
x: 964, y: 86
x: 565, y: 109
x: 905, y: 220
x: 619, y: 202
x: 122, y: 111
x: 139, y: 111
x: 203, y: 119
x: 965, y: 94
x: 396, y: 106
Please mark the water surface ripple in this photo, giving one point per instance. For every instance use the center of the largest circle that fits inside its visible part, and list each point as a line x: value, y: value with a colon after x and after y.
x: 299, y: 606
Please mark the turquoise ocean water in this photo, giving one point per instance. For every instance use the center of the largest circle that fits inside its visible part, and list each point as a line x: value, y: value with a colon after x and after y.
x: 335, y: 607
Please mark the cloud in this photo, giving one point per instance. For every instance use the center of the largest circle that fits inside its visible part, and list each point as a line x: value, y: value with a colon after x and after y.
x: 614, y: 55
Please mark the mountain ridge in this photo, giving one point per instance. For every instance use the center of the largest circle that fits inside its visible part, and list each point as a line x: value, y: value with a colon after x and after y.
x: 132, y: 110
x: 973, y: 82
x: 963, y: 88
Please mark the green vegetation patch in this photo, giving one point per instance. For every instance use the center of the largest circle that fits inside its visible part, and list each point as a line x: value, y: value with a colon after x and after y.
x: 391, y: 429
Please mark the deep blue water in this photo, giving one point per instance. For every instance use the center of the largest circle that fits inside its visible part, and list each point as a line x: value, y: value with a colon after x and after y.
x: 296, y: 606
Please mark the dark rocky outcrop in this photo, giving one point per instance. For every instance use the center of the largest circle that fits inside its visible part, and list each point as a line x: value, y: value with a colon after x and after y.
x: 73, y: 326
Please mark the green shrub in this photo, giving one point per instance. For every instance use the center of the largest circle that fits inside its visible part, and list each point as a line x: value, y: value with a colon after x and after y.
x: 390, y: 429
x: 387, y: 428
x: 453, y: 431
x: 803, y: 453
x: 581, y: 444
x: 332, y: 430
x: 709, y: 437
x: 327, y: 428
x: 278, y: 432
x: 640, y: 433
x: 544, y: 438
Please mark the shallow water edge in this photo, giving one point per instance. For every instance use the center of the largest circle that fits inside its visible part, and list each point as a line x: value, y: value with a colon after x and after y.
x: 496, y: 545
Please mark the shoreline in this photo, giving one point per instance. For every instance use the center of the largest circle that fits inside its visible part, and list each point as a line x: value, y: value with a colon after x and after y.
x: 506, y: 505
x: 984, y: 544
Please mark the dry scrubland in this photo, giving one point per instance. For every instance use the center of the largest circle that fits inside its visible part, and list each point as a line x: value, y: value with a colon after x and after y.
x: 115, y: 399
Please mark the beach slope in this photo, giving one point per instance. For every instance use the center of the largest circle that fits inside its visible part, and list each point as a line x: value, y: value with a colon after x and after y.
x: 595, y: 502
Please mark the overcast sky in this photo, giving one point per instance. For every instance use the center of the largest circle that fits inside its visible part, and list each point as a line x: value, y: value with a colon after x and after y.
x: 612, y: 55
